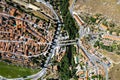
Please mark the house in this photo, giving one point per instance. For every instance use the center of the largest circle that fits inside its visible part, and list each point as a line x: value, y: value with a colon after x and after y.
x: 111, y: 37
x: 104, y: 27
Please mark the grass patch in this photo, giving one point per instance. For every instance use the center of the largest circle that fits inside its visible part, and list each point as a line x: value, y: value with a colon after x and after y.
x: 12, y: 71
x: 38, y: 14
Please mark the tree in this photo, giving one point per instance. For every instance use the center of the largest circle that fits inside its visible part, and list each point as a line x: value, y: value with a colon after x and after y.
x: 96, y: 44
x: 0, y: 56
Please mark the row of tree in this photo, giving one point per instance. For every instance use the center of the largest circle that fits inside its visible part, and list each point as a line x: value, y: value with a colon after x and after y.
x: 110, y: 48
x: 69, y: 25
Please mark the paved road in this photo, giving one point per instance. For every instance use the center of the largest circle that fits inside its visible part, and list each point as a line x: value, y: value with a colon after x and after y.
x: 50, y: 6
x: 37, y: 75
x: 72, y: 7
x: 12, y: 41
x: 31, y: 23
x: 51, y: 54
x: 92, y: 58
x: 54, y: 45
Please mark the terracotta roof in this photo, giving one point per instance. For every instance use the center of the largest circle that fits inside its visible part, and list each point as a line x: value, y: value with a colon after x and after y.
x: 104, y: 27
x: 78, y: 19
x: 117, y: 38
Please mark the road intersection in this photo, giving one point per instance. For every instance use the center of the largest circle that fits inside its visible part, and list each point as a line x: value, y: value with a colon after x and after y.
x: 54, y: 44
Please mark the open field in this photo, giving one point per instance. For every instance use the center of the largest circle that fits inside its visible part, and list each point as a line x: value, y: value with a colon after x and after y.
x: 114, y: 57
x: 108, y: 8
x: 36, y: 5
x: 11, y: 71
x: 40, y: 15
x: 44, y: 8
x: 114, y: 73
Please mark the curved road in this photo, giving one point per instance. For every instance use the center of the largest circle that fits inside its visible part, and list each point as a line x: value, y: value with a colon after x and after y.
x: 92, y: 58
x: 51, y: 54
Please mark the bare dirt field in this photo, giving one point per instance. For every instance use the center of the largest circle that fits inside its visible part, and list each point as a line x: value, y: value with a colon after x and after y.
x: 114, y: 57
x: 109, y: 8
x: 114, y: 73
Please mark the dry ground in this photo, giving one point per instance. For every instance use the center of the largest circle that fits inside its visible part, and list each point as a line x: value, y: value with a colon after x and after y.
x: 114, y: 73
x: 109, y: 8
x: 114, y: 57
x: 40, y: 15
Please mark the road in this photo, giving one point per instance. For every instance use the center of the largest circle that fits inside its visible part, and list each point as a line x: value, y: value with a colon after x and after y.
x: 54, y: 44
x: 92, y: 58
x: 72, y: 7
x: 37, y: 75
x: 49, y: 6
x: 51, y: 54
x: 31, y: 23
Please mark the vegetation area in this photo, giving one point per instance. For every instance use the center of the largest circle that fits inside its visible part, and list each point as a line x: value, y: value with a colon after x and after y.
x: 111, y: 48
x: 102, y: 46
x: 117, y: 30
x: 12, y: 71
x: 88, y: 19
x: 112, y: 27
x: 40, y: 15
x: 1, y: 9
x: 67, y: 62
x: 70, y: 26
x: 29, y: 11
x: 31, y: 1
x: 111, y: 7
x: 69, y: 23
x: 64, y: 66
x: 99, y: 77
